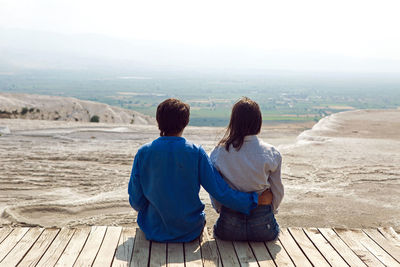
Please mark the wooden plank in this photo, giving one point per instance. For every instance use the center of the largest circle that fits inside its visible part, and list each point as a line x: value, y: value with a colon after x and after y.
x: 383, y: 243
x: 209, y: 250
x: 349, y: 237
x: 293, y: 249
x: 107, y: 250
x: 278, y: 253
x: 391, y: 235
x: 341, y: 247
x: 308, y: 247
x: 375, y: 249
x: 56, y: 248
x: 261, y: 253
x: 141, y: 250
x: 372, y: 247
x: 158, y: 256
x: 92, y: 246
x: 12, y: 239
x: 325, y: 247
x: 227, y: 252
x: 193, y: 253
x: 175, y: 256
x: 245, y: 254
x: 23, y: 246
x: 123, y: 255
x: 74, y: 247
x: 4, y: 232
x: 40, y: 247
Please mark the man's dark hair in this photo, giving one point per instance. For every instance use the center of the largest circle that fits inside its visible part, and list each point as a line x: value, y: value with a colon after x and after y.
x: 246, y: 119
x: 172, y: 116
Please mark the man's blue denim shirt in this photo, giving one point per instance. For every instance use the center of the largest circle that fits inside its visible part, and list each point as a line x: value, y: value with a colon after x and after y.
x: 164, y: 189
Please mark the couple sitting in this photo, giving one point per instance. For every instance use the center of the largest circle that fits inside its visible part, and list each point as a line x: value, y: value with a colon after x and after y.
x: 167, y: 174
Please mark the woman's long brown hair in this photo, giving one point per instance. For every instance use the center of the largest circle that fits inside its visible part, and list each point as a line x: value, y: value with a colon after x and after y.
x: 246, y: 119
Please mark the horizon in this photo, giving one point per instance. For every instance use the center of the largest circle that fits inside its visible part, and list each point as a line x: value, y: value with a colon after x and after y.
x: 24, y: 49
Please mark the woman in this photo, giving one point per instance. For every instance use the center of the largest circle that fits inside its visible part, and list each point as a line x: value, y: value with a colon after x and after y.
x: 248, y: 164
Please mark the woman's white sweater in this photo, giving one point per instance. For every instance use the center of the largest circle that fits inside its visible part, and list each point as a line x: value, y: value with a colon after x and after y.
x: 254, y: 168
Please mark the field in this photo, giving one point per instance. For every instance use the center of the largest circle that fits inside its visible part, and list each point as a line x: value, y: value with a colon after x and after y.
x: 283, y: 96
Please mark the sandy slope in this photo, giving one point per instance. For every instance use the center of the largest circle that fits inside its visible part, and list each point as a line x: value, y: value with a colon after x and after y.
x: 43, y: 107
x: 343, y: 172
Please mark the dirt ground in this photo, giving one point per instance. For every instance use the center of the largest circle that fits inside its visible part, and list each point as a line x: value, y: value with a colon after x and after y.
x: 344, y: 172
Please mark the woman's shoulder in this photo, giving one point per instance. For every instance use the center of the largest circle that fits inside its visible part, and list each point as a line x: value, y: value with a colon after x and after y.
x: 271, y: 155
x: 268, y: 149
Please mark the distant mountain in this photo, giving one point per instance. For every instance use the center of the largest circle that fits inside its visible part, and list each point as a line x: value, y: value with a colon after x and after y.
x: 22, y: 49
x: 42, y: 107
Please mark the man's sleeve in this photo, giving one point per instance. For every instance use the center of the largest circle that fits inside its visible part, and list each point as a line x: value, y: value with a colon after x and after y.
x: 215, y: 185
x: 136, y: 197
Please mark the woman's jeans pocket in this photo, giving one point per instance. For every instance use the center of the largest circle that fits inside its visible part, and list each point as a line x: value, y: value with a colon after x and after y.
x: 260, y: 225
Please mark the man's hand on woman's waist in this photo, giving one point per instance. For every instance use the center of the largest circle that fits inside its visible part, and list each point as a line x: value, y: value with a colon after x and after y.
x: 265, y: 198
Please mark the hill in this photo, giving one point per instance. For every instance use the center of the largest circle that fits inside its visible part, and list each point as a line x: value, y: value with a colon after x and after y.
x: 43, y: 107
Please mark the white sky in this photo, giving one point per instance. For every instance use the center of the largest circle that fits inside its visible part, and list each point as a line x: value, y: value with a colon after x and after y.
x: 359, y: 28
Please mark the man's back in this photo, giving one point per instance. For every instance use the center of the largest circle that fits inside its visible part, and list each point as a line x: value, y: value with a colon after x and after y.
x: 167, y: 170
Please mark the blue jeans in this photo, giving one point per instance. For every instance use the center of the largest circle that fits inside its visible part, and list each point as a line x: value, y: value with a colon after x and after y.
x: 260, y: 225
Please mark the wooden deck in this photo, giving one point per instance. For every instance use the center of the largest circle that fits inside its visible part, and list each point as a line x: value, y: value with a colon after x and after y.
x: 117, y: 246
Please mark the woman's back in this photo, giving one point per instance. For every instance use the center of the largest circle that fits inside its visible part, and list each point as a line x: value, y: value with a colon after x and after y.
x: 250, y: 165
x: 255, y: 167
x: 247, y: 169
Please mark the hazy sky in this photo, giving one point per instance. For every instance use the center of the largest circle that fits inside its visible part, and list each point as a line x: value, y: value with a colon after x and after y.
x: 359, y: 28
